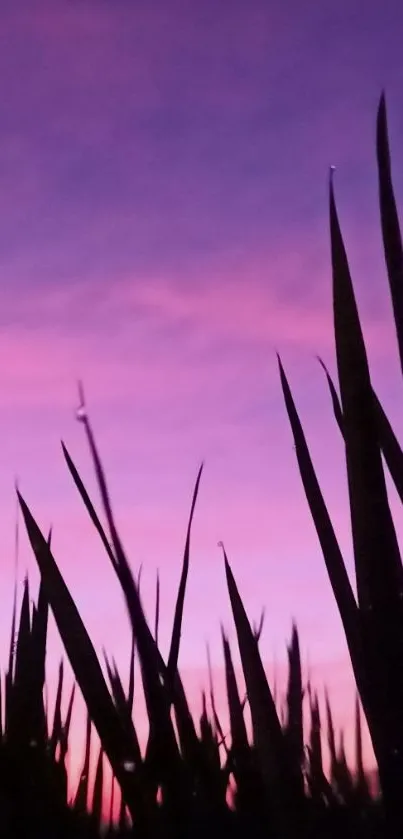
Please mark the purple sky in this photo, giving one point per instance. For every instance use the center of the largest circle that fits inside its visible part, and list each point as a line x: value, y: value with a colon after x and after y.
x: 163, y: 173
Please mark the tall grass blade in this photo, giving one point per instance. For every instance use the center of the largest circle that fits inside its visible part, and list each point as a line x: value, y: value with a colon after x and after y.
x: 392, y: 239
x: 21, y: 710
x: 124, y: 713
x: 97, y: 796
x: 330, y: 548
x: 162, y: 756
x: 378, y: 565
x: 316, y: 775
x: 57, y: 718
x: 294, y: 725
x: 157, y: 608
x: 39, y: 636
x: 82, y: 656
x: 267, y: 733
x: 112, y: 803
x: 88, y: 504
x: 130, y: 692
x: 67, y: 724
x: 371, y: 521
x: 81, y: 799
x: 217, y: 723
x: 331, y: 740
x: 239, y: 737
x: 176, y: 631
x: 359, y: 758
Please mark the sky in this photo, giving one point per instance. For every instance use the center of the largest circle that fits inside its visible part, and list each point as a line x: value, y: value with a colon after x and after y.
x: 164, y: 231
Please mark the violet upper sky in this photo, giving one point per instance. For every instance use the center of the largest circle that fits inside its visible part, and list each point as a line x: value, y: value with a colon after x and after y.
x: 163, y: 176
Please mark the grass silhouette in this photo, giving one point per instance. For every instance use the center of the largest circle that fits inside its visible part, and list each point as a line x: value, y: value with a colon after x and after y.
x: 178, y: 785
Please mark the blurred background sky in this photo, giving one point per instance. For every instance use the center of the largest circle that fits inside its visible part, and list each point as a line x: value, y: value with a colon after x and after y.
x: 164, y: 230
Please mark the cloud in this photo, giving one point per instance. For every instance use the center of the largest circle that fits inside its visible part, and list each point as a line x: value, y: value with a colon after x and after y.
x: 132, y: 139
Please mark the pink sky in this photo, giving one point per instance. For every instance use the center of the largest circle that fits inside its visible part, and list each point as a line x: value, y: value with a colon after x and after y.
x: 163, y: 173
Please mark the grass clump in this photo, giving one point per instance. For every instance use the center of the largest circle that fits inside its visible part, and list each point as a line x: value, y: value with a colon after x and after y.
x: 178, y: 786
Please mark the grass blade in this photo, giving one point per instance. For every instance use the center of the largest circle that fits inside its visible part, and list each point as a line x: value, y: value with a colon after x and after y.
x: 82, y: 656
x: 57, y: 719
x: 267, y: 733
x: 66, y: 727
x: 176, y: 631
x: 371, y: 521
x: 157, y: 608
x: 294, y: 726
x: 97, y: 795
x: 130, y: 692
x: 239, y: 737
x: 88, y: 504
x: 162, y: 751
x: 81, y: 799
x: 392, y: 239
x: 331, y: 552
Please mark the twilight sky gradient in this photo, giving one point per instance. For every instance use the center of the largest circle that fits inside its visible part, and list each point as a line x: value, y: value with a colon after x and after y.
x: 163, y: 172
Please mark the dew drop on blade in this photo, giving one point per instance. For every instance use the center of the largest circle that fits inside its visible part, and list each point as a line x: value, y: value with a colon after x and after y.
x: 81, y: 413
x: 129, y: 765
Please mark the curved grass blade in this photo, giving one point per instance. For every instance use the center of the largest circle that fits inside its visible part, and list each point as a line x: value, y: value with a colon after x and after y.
x: 94, y: 517
x: 257, y: 630
x: 82, y: 657
x: 331, y: 552
x: 176, y: 631
x: 118, y: 559
x: 372, y: 526
x: 337, y: 409
x: 88, y: 504
x: 392, y: 239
